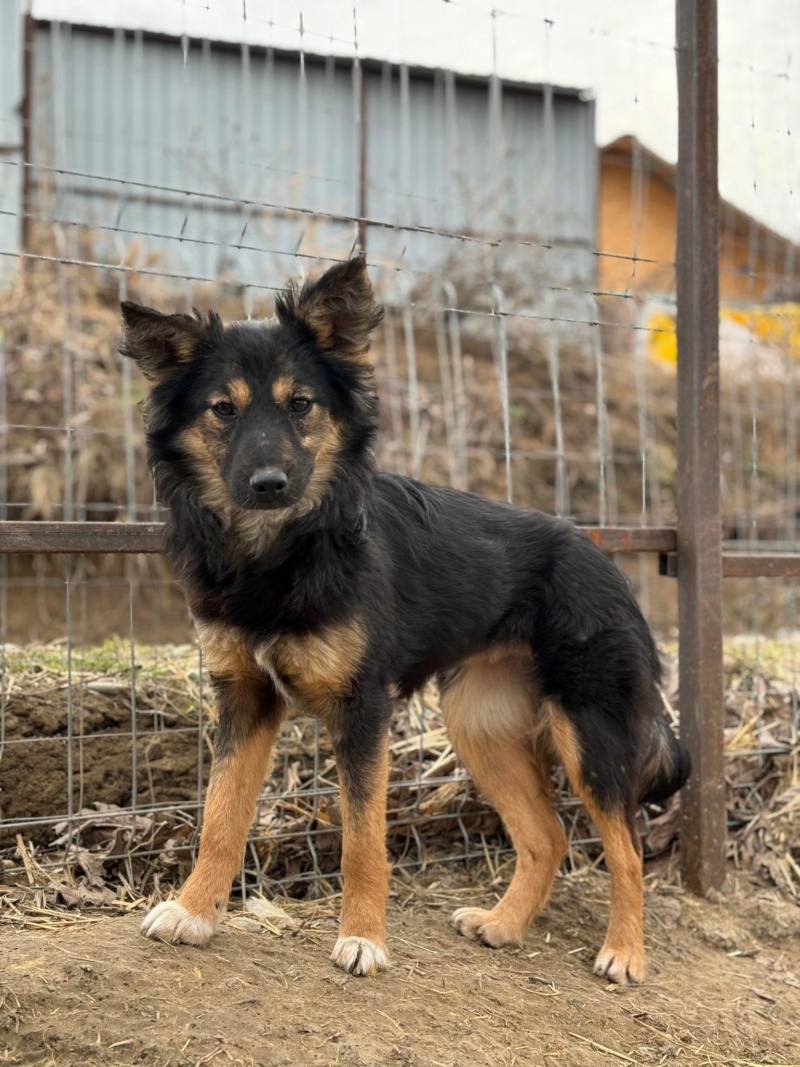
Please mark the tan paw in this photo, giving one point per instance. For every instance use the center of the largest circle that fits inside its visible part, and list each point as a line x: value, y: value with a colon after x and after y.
x: 488, y: 928
x: 620, y: 965
x: 170, y: 921
x: 359, y: 956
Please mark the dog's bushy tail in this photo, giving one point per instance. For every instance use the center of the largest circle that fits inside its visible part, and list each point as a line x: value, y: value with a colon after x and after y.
x: 667, y: 765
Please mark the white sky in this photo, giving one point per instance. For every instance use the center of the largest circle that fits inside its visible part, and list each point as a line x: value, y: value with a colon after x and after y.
x: 621, y: 50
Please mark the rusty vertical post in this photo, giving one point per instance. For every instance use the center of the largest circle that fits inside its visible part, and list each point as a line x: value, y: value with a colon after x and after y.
x: 699, y: 530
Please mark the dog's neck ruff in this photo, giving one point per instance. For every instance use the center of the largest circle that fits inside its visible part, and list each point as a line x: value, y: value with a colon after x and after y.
x: 202, y: 543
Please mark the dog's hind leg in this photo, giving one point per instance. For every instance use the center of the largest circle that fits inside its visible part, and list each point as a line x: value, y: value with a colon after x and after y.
x: 250, y: 715
x: 489, y: 708
x: 621, y: 959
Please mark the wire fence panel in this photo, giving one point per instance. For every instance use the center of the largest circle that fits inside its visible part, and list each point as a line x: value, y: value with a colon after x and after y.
x: 522, y: 239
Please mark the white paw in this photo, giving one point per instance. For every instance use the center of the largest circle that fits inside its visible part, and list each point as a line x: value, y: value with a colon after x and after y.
x: 358, y: 955
x: 170, y: 921
x: 620, y: 966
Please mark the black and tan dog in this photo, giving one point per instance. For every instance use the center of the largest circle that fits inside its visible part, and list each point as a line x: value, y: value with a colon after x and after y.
x: 318, y: 582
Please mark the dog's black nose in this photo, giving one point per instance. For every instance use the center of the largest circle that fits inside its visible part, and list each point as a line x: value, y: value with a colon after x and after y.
x: 269, y: 482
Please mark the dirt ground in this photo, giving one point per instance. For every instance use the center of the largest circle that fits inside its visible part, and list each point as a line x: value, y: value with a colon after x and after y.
x: 723, y: 988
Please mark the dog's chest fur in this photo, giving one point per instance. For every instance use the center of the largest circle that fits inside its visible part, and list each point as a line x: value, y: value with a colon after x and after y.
x: 313, y: 667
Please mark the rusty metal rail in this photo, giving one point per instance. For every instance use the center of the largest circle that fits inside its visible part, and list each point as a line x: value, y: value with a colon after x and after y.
x: 79, y: 537
x: 73, y: 538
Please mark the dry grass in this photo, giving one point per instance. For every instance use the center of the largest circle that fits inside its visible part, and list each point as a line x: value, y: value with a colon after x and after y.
x: 111, y: 856
x: 61, y: 334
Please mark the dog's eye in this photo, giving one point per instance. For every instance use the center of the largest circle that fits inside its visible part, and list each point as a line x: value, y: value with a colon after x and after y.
x: 300, y: 404
x: 224, y: 408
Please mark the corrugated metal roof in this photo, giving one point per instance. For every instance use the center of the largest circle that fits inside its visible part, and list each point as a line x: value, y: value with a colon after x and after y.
x: 416, y: 71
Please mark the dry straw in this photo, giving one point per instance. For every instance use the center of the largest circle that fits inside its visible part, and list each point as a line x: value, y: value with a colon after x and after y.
x: 110, y: 856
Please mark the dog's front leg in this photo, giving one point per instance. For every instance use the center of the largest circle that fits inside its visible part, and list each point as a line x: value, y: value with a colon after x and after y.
x: 250, y: 714
x: 361, y: 744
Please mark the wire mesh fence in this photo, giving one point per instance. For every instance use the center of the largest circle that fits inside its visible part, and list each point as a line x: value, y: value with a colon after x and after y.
x: 528, y: 352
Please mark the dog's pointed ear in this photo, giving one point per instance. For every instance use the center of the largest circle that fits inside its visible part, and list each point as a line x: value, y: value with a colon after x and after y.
x: 160, y: 343
x: 339, y: 309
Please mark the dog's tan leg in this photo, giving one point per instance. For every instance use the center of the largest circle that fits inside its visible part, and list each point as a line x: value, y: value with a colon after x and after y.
x: 621, y: 959
x: 507, y: 777
x: 361, y: 947
x: 250, y: 716
x: 490, y: 713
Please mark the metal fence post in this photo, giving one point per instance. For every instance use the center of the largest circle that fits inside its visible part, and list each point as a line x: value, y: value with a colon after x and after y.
x: 699, y: 529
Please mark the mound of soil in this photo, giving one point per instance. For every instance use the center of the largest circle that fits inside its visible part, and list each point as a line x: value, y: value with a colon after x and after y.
x: 723, y: 988
x: 39, y: 754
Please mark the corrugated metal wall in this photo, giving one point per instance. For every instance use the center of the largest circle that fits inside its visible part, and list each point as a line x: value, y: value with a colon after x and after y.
x: 11, y: 92
x: 135, y: 127
x: 501, y: 164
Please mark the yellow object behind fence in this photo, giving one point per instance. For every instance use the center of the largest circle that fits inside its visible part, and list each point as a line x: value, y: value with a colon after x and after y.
x: 775, y: 325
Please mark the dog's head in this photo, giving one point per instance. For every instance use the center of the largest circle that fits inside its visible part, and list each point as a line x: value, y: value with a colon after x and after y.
x: 260, y: 417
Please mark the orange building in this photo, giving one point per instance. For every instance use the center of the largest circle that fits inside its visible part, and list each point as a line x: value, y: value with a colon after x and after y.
x: 637, y: 229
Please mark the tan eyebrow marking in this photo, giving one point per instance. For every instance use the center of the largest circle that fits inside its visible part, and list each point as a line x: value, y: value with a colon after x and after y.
x: 240, y: 393
x: 283, y: 389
